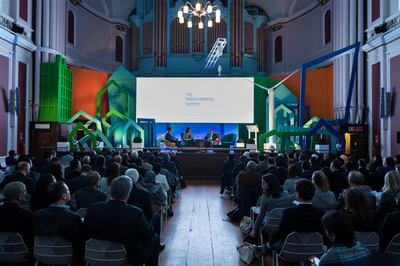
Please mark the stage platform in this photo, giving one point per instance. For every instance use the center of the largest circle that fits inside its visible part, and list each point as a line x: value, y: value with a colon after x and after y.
x: 202, y: 163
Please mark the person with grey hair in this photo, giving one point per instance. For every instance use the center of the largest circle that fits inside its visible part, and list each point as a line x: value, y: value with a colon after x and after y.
x: 13, y: 217
x: 90, y: 194
x: 21, y: 175
x: 248, y: 189
x: 356, y: 181
x: 120, y: 222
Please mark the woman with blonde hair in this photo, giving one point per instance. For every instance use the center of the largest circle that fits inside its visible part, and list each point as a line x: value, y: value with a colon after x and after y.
x: 389, y: 201
x: 323, y: 199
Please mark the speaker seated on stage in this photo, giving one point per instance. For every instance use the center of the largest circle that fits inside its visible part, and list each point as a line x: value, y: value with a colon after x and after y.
x: 170, y: 140
x: 212, y: 138
x: 187, y: 138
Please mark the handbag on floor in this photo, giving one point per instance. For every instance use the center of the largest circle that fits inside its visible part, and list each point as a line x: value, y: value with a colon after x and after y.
x: 246, y: 252
x: 246, y: 225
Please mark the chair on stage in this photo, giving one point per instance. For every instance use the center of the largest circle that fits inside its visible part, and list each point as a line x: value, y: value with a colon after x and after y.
x: 167, y: 143
x: 228, y: 140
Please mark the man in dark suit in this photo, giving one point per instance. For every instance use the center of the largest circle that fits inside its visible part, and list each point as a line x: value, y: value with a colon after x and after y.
x: 302, y: 218
x: 13, y: 217
x: 90, y: 194
x: 73, y: 170
x: 58, y: 220
x: 79, y: 182
x: 280, y: 171
x: 11, y: 159
x: 21, y: 175
x: 171, y: 138
x: 227, y: 170
x: 47, y: 164
x: 388, y: 165
x: 117, y: 221
x: 211, y: 138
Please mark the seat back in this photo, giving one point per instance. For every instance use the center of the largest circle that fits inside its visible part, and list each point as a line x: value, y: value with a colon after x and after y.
x: 393, y: 250
x: 272, y: 220
x: 370, y: 240
x: 102, y: 252
x: 300, y: 247
x: 53, y: 250
x: 12, y: 247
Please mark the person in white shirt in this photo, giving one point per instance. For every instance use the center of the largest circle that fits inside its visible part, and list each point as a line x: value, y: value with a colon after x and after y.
x: 160, y: 179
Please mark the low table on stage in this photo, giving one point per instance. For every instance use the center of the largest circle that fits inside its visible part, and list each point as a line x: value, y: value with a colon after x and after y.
x: 200, y: 142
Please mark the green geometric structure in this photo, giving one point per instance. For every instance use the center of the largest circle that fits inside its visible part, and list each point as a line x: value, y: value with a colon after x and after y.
x: 72, y: 134
x: 284, y: 116
x: 98, y: 134
x: 115, y: 117
x: 55, y: 91
x: 122, y: 97
x: 90, y: 119
x: 125, y: 136
x: 310, y: 123
x: 123, y: 102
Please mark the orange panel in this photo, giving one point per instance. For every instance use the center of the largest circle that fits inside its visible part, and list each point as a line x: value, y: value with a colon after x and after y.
x: 319, y: 92
x: 85, y: 85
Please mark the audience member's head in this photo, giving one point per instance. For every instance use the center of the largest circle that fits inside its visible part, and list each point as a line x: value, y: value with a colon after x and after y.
x: 157, y: 168
x: 85, y: 169
x: 58, y: 193
x: 339, y: 228
x: 14, y: 191
x: 12, y: 153
x: 134, y: 155
x: 251, y: 165
x: 389, y: 161
x: 150, y: 178
x: 355, y: 178
x: 280, y: 161
x: 47, y: 155
x: 57, y: 171
x: 93, y: 179
x: 113, y: 171
x: 117, y: 159
x: 349, y: 166
x: 121, y: 188
x: 75, y: 164
x: 260, y: 157
x: 293, y: 171
x: 304, y: 190
x: 133, y: 174
x: 320, y: 181
x: 100, y: 161
x: 336, y: 165
x: 362, y: 163
x: 271, y: 185
x: 271, y: 162
x: 357, y: 204
x: 86, y: 159
x: 305, y: 165
x: 24, y: 167
x: 43, y: 183
x: 125, y: 159
x: 392, y: 181
x: 231, y: 157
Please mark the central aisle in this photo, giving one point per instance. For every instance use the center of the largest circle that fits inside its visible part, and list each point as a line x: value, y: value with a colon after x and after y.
x: 198, y: 234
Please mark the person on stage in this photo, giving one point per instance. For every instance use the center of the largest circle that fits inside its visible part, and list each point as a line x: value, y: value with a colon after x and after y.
x: 211, y: 138
x: 171, y: 138
x: 188, y: 138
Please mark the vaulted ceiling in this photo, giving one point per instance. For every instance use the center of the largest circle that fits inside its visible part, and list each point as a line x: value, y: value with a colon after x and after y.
x: 275, y: 9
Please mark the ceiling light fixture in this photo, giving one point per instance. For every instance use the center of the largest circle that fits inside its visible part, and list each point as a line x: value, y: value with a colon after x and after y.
x: 187, y: 11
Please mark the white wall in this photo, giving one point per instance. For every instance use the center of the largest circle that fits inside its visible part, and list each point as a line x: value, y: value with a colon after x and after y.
x: 303, y: 39
x: 94, y: 45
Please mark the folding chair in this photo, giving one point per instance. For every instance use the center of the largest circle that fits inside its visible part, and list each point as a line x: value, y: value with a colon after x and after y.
x: 393, y: 250
x: 370, y: 240
x: 299, y: 247
x: 12, y: 248
x: 53, y: 250
x: 273, y: 220
x: 104, y: 253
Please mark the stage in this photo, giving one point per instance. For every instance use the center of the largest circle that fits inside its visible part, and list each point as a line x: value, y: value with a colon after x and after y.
x: 202, y: 163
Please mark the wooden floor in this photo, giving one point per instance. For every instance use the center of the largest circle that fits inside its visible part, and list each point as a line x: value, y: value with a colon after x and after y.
x: 198, y: 233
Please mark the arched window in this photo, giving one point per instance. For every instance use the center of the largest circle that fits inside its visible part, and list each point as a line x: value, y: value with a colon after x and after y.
x: 278, y: 49
x: 71, y: 27
x: 119, y: 47
x: 327, y: 27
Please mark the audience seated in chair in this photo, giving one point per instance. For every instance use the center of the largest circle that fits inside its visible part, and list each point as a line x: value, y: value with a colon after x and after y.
x: 21, y: 175
x: 13, y: 217
x: 323, y: 199
x: 40, y: 199
x: 119, y: 222
x: 90, y: 194
x: 58, y: 220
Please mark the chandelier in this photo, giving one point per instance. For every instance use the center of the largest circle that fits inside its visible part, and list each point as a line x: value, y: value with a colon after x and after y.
x: 198, y: 10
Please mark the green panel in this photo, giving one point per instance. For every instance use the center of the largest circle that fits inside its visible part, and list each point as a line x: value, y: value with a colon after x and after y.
x: 55, y: 91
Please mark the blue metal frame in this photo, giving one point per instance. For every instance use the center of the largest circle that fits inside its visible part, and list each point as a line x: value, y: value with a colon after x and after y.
x: 318, y: 61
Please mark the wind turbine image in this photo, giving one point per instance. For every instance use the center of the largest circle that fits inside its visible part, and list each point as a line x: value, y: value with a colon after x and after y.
x: 271, y: 111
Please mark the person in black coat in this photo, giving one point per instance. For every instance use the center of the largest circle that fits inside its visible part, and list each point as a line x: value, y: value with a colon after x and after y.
x: 119, y: 222
x: 73, y: 170
x: 13, y: 217
x: 79, y: 182
x: 21, y: 175
x: 227, y: 170
x: 90, y: 194
x: 139, y: 197
x: 302, y: 218
x: 11, y: 159
x: 58, y: 220
x: 40, y: 199
x: 390, y: 227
